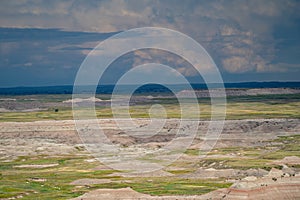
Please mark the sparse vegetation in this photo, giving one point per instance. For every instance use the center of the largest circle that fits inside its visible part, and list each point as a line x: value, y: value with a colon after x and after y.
x: 53, y: 181
x: 264, y: 106
x: 56, y: 180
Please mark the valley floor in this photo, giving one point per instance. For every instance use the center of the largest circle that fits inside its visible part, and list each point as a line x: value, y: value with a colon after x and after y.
x: 252, y: 158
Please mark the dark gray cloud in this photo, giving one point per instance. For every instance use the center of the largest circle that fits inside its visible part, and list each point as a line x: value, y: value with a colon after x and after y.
x: 42, y: 56
x: 249, y: 40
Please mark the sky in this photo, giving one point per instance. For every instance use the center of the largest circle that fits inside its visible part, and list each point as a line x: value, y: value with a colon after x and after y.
x: 44, y: 42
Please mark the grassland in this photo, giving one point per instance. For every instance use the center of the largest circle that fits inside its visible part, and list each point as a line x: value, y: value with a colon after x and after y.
x: 253, y: 157
x: 54, y: 182
x: 250, y: 107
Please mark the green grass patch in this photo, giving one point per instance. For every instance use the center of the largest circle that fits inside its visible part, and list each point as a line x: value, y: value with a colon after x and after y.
x: 170, y: 186
x: 55, y: 181
x: 250, y: 107
x: 22, y: 181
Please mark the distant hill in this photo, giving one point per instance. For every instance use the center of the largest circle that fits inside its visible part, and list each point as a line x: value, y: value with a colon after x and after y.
x: 150, y: 88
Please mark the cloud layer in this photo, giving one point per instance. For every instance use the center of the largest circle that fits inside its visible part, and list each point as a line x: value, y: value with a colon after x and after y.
x: 243, y: 37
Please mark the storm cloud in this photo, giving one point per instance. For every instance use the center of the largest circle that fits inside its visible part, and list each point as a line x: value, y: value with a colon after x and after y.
x: 249, y: 40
